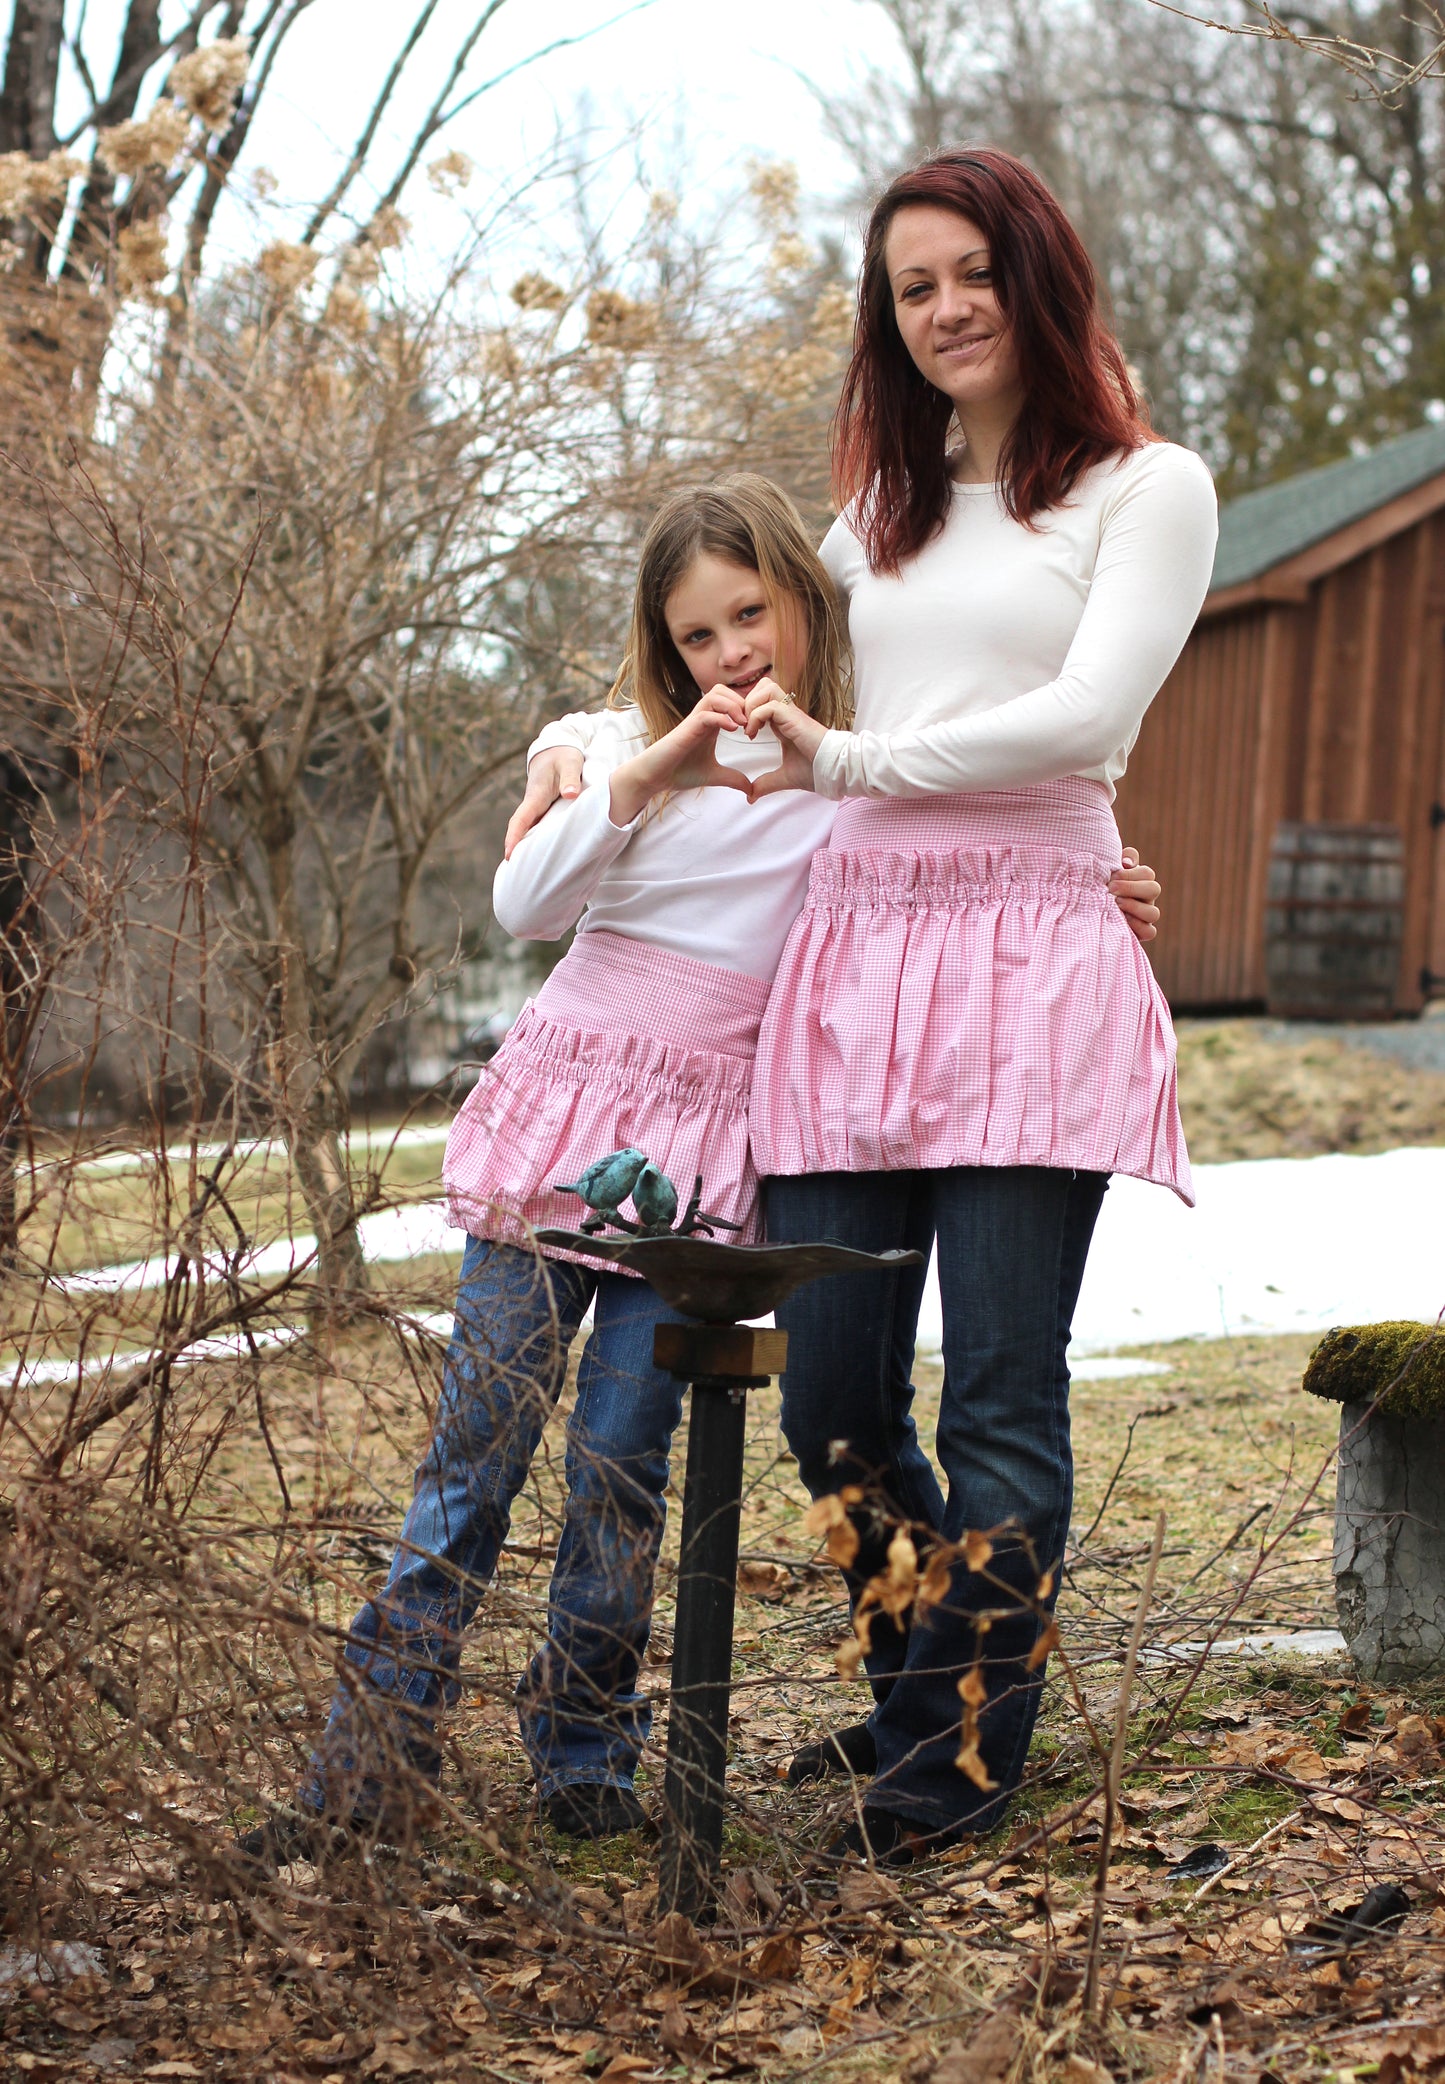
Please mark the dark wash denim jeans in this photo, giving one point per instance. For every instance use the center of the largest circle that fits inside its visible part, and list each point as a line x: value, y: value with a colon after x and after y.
x: 582, y: 1716
x: 1012, y: 1241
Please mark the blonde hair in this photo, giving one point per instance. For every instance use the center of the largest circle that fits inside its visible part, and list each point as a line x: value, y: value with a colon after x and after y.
x: 749, y: 522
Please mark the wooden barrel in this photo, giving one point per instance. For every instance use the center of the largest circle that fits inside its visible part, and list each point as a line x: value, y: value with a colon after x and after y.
x: 1334, y: 921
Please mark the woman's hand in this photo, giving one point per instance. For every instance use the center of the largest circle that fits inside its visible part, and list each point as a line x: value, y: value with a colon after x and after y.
x: 797, y: 733
x: 685, y: 759
x: 555, y: 773
x: 1136, y: 891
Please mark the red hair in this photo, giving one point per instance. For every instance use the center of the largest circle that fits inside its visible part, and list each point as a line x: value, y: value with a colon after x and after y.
x: 890, y: 430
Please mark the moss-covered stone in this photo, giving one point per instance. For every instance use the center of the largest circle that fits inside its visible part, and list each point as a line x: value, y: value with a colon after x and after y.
x: 1401, y: 1363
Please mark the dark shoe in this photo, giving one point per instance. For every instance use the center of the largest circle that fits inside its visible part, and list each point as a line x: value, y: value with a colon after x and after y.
x: 586, y: 1810
x: 849, y: 1750
x: 289, y: 1835
x: 888, y: 1839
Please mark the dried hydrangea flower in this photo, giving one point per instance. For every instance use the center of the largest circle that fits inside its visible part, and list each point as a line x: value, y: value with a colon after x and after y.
x: 539, y: 293
x: 387, y: 229
x: 451, y: 172
x: 26, y: 182
x: 773, y: 184
x: 799, y: 372
x: 153, y: 140
x: 287, y: 267
x: 790, y: 255
x: 347, y: 309
x: 617, y: 321
x: 143, y: 261
x: 209, y: 81
x: 833, y: 313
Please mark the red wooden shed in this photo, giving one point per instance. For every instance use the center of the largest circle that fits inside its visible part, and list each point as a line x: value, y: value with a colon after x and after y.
x: 1311, y: 695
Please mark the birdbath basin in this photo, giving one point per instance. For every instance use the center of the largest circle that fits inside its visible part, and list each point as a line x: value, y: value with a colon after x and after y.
x: 722, y: 1358
x: 723, y: 1284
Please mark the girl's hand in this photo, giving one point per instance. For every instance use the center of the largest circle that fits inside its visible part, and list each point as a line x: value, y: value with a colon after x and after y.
x: 685, y: 759
x: 797, y: 733
x: 557, y: 772
x: 1136, y: 891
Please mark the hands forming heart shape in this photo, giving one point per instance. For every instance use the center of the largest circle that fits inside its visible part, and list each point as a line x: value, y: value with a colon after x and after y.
x: 687, y: 756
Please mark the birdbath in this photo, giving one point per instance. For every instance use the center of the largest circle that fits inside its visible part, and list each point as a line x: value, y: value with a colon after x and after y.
x: 722, y: 1358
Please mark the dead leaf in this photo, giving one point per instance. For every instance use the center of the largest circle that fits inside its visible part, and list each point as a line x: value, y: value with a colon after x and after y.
x: 1048, y: 1641
x: 1413, y: 1737
x: 1081, y: 2071
x: 171, y: 2069
x: 769, y: 1581
x: 676, y: 2033
x: 973, y: 1690
x: 850, y: 1654
x: 70, y: 2020
x: 828, y: 1517
x: 862, y: 1890
x: 977, y: 1551
x: 987, y: 2058
x: 401, y: 2061
x: 237, y: 2037
x: 778, y: 1959
x: 627, y: 2066
x: 861, y: 1972
x: 902, y: 1578
x: 678, y: 1954
x: 1338, y: 1805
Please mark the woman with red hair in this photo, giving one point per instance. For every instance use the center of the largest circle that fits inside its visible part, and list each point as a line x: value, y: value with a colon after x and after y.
x: 964, y: 1040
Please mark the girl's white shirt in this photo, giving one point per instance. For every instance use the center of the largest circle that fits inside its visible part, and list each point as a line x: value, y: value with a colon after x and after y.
x: 703, y: 874
x: 1002, y: 655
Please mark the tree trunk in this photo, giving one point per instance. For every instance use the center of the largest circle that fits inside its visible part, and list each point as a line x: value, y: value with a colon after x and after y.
x: 18, y: 966
x: 313, y: 1105
x: 316, y: 1152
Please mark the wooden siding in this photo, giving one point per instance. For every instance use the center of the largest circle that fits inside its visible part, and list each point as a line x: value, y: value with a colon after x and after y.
x: 1329, y: 707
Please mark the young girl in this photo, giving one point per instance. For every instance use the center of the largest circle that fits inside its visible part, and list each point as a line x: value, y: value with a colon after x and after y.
x: 643, y: 1034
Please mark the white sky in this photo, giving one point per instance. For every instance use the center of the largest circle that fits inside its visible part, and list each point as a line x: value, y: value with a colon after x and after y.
x: 729, y: 81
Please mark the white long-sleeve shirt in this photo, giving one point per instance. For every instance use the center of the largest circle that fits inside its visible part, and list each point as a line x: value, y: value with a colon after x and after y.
x: 707, y: 875
x: 1002, y: 655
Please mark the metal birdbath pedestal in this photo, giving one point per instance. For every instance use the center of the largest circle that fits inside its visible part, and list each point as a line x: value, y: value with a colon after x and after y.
x: 722, y: 1358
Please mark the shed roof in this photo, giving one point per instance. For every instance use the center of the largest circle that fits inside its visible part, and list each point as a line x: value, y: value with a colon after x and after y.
x: 1261, y: 529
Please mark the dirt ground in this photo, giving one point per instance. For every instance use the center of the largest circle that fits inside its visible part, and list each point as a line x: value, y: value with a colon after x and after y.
x: 165, y: 1661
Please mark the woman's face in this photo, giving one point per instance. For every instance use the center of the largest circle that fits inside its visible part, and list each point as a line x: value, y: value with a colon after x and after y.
x: 727, y: 632
x: 947, y: 309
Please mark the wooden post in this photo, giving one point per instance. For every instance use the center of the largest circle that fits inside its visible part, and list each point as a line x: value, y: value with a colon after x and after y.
x: 722, y: 1362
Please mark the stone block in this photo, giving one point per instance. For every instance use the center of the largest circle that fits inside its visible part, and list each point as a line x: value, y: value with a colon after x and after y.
x: 1389, y: 1557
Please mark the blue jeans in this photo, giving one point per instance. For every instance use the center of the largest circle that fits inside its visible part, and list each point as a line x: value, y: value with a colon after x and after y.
x: 1012, y: 1242
x: 582, y: 1717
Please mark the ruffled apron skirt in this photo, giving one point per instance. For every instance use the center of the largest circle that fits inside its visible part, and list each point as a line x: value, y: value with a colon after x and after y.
x: 961, y: 989
x: 624, y: 1044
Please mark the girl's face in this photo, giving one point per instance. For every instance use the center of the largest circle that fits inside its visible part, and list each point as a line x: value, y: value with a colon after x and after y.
x: 726, y: 630
x: 947, y: 308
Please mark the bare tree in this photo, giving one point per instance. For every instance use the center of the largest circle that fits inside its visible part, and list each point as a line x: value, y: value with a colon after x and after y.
x: 1413, y: 52
x: 390, y: 535
x: 1271, y: 239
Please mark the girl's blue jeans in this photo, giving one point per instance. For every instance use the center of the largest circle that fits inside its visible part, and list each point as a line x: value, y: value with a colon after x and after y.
x: 582, y: 1716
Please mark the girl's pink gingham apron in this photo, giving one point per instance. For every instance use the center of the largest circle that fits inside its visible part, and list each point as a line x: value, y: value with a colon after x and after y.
x: 624, y: 1044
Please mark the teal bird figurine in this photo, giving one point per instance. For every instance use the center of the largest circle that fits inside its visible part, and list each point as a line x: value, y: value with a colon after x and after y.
x: 655, y: 1199
x: 607, y: 1183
